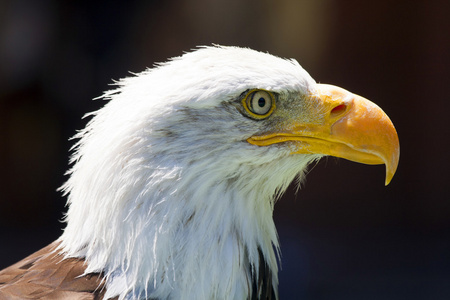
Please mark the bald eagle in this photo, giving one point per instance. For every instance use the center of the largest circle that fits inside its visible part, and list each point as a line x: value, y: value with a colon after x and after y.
x: 173, y: 182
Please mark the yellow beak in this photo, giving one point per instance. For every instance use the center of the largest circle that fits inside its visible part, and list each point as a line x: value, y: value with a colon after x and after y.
x: 351, y: 127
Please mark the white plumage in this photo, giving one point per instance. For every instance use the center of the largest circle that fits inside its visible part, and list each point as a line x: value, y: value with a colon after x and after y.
x: 165, y: 194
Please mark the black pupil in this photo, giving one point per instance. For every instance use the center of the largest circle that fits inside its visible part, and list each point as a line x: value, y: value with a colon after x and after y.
x: 261, y: 102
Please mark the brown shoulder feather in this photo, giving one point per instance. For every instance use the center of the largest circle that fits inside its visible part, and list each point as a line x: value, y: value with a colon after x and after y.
x: 47, y: 275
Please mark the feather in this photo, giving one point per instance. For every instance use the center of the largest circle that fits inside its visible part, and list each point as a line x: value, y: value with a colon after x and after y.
x: 48, y: 275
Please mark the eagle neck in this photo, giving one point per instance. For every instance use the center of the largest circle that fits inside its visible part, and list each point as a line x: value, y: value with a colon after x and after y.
x: 177, y: 232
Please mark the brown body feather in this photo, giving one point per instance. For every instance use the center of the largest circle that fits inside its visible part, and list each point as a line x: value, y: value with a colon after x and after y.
x: 47, y: 275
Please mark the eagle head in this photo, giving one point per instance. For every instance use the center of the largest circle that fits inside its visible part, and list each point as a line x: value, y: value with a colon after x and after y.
x: 173, y: 182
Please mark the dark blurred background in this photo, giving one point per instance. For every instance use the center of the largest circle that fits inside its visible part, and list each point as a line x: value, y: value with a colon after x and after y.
x: 344, y: 235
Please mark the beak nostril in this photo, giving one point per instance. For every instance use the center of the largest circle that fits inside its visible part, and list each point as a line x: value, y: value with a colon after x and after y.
x: 338, y: 110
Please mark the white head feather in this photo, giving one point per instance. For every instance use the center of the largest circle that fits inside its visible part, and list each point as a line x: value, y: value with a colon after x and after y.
x: 166, y: 196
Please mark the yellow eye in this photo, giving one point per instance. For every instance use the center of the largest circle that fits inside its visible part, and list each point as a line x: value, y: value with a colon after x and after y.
x: 259, y: 104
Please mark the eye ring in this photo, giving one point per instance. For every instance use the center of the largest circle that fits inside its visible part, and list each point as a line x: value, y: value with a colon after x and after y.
x: 259, y: 104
